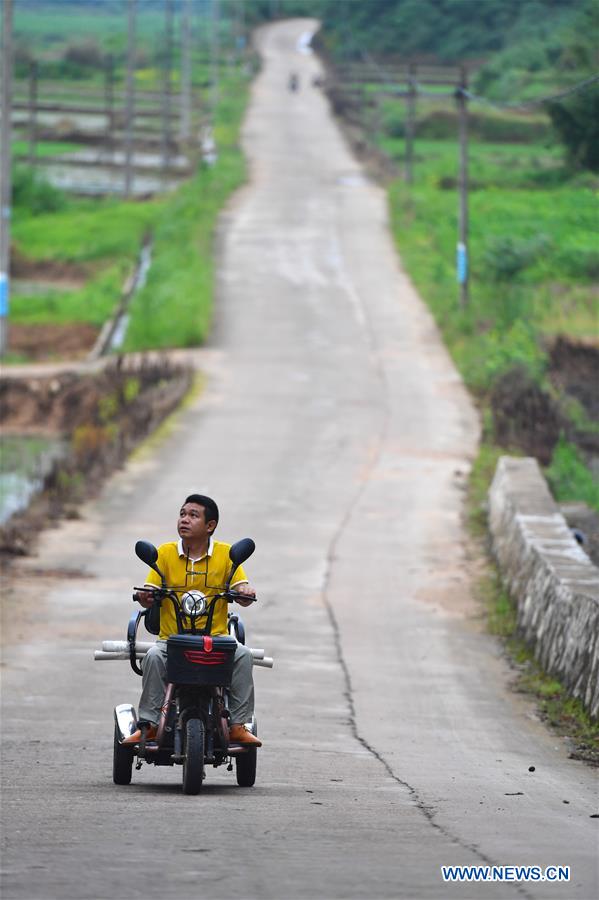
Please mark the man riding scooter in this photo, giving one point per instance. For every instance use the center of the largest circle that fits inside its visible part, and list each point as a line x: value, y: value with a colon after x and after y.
x: 197, y: 562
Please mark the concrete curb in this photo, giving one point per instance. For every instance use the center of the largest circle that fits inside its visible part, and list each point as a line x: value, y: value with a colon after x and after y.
x: 554, y: 583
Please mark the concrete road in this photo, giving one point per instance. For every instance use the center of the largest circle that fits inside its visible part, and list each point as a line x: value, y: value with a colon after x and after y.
x: 334, y: 429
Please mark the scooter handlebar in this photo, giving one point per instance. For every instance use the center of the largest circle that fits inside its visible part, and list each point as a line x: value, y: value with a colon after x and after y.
x: 230, y: 595
x: 237, y: 595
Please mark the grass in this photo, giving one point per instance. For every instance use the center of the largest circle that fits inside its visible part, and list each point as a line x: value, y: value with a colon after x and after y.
x: 44, y: 148
x: 85, y: 231
x: 93, y: 303
x: 569, y: 478
x: 174, y: 309
x: 55, y: 25
x: 532, y: 248
x: 534, y: 261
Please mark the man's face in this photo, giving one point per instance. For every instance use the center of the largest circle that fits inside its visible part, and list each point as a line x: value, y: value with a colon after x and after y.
x: 191, y: 524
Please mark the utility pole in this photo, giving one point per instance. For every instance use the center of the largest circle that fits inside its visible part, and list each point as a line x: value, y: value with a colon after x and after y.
x: 462, y: 262
x: 185, y: 130
x: 130, y: 97
x: 241, y: 38
x: 166, y: 87
x: 5, y: 172
x: 410, y: 120
x: 214, y: 52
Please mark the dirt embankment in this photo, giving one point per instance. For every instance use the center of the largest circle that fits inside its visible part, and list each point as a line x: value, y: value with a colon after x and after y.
x: 50, y: 341
x: 102, y: 414
x: 38, y: 342
x: 531, y: 418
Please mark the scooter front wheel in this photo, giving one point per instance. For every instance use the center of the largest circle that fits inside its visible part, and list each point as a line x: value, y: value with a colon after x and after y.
x: 122, y: 761
x: 193, y: 764
x: 245, y: 768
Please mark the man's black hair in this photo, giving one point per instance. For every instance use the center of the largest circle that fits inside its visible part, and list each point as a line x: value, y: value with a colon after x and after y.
x: 210, y: 507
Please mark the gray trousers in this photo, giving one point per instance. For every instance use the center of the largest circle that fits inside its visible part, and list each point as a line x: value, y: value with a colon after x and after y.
x: 241, y: 692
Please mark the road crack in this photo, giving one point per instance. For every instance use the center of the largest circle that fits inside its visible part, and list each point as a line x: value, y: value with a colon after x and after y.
x: 427, y: 810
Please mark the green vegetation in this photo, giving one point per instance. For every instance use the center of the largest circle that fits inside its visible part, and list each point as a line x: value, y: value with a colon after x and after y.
x: 182, y: 273
x: 576, y: 120
x: 44, y: 148
x: 531, y: 250
x: 93, y: 303
x: 524, y: 36
x: 533, y: 260
x: 515, y: 50
x: 72, y: 40
x: 102, y: 239
x: 32, y: 193
x: 94, y: 244
x: 569, y: 478
x: 84, y: 230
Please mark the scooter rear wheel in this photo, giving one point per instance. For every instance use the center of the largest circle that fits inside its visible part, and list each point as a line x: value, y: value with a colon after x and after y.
x: 193, y: 764
x: 122, y: 761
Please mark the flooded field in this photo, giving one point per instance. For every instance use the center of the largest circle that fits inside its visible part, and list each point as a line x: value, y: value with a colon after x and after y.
x: 98, y: 168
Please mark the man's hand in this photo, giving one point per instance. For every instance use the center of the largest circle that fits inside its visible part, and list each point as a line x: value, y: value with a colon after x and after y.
x: 247, y: 590
x: 145, y: 598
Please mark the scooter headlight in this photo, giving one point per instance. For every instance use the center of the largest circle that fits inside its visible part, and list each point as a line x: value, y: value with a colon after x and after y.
x: 193, y: 603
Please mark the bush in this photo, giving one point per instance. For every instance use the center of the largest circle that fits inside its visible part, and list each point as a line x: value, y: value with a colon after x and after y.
x: 506, y: 257
x: 32, y: 193
x: 580, y: 262
x: 393, y: 121
x: 576, y: 121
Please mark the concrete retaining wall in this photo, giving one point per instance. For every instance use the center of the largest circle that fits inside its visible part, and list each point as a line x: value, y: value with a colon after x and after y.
x: 553, y: 581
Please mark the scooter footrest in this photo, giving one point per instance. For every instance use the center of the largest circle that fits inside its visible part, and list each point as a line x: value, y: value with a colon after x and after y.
x: 237, y: 749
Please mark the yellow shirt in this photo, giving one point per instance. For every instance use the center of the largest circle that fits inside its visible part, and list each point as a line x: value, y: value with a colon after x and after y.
x: 207, y: 574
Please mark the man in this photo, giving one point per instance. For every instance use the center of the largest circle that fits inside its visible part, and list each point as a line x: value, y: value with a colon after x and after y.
x: 198, y: 562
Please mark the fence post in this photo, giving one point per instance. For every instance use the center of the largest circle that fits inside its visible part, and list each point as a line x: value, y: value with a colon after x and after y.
x: 410, y: 123
x: 32, y: 111
x: 109, y: 101
x: 185, y: 95
x: 130, y: 98
x: 214, y: 55
x: 166, y: 87
x: 462, y: 261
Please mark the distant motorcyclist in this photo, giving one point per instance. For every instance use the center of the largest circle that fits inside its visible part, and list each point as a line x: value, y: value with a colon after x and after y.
x: 196, y: 561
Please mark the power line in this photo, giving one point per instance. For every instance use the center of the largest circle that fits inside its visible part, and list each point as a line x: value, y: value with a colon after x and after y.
x: 528, y: 104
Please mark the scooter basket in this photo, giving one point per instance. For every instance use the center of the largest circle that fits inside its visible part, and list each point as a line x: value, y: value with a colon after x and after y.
x: 200, y: 659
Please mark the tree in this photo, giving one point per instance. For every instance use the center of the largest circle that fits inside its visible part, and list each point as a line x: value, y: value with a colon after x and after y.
x: 576, y: 120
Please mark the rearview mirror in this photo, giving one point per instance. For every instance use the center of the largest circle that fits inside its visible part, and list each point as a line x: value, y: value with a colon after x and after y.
x: 241, y: 550
x: 147, y: 552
